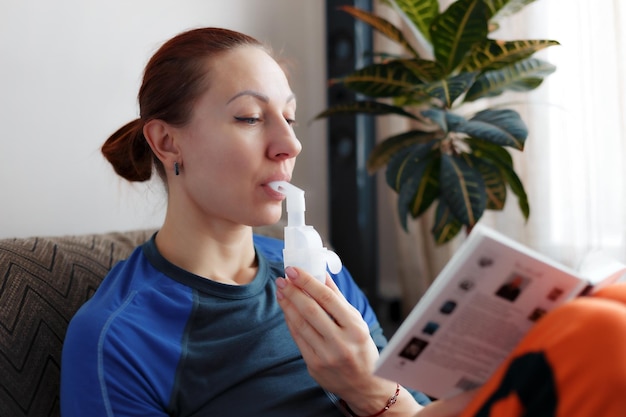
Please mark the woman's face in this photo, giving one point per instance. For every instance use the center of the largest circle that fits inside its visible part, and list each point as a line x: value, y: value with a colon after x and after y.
x: 239, y: 139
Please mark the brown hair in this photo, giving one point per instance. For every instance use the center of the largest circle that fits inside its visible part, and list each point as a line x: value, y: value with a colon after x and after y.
x: 173, y: 79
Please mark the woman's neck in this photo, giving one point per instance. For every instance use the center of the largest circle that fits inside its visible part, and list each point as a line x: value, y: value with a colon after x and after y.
x: 221, y: 253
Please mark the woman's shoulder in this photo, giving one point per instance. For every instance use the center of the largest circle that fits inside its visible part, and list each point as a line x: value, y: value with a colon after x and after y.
x: 270, y: 247
x: 134, y: 278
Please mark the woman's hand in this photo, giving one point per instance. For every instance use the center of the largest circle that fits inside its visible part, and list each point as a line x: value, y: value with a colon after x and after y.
x: 451, y: 407
x: 336, y: 345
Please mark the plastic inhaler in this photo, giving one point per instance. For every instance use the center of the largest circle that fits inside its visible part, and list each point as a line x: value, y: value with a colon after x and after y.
x: 303, y: 245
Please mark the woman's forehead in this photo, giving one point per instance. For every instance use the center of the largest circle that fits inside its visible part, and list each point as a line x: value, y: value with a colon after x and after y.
x: 249, y: 71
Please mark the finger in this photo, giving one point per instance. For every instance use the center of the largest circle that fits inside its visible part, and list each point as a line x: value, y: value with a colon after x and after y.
x: 304, y: 335
x: 330, y: 283
x: 328, y: 296
x: 302, y: 313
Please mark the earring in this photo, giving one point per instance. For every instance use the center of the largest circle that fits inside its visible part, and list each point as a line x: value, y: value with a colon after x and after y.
x: 176, y: 168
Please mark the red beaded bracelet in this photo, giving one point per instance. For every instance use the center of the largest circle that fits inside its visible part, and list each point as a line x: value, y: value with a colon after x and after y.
x: 391, y: 401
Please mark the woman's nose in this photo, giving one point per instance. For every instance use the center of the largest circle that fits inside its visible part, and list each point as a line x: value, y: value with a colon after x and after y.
x: 284, y: 144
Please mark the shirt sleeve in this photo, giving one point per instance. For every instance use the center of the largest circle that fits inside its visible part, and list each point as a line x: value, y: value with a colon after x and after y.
x: 112, y: 344
x: 100, y: 376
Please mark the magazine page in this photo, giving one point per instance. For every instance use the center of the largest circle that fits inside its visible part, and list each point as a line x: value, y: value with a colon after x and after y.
x: 601, y: 269
x: 476, y: 311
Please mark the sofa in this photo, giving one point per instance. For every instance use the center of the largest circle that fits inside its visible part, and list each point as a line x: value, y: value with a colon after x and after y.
x: 43, y: 282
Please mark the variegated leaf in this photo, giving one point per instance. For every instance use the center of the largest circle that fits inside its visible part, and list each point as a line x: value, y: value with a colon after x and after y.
x: 520, y: 76
x: 383, y: 151
x: 418, y: 184
x: 495, y: 54
x: 500, y: 9
x: 438, y: 116
x: 381, y: 25
x: 490, y: 151
x: 501, y: 127
x: 420, y: 13
x: 501, y: 158
x: 448, y: 90
x: 518, y: 189
x: 402, y: 165
x: 428, y: 190
x: 455, y: 30
x: 495, y: 185
x: 367, y: 107
x: 463, y: 189
x: 390, y: 79
x: 424, y: 69
x: 446, y: 226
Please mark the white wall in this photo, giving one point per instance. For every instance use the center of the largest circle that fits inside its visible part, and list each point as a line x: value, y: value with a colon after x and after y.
x: 69, y: 75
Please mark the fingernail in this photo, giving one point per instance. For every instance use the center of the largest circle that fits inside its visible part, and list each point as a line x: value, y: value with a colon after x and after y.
x: 281, y: 282
x: 291, y: 272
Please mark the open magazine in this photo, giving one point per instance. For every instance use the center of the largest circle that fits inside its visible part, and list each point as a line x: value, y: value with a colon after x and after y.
x: 479, y: 307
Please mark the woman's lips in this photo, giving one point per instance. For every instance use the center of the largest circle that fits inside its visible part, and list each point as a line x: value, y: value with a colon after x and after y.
x: 273, y: 193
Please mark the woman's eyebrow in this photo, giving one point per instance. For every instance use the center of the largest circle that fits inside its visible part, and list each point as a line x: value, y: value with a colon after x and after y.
x: 258, y: 96
x: 252, y: 93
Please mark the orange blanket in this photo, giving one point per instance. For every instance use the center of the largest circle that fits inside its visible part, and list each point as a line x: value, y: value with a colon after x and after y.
x: 571, y: 364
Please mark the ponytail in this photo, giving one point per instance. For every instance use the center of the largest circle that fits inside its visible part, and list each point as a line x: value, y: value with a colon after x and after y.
x: 129, y: 153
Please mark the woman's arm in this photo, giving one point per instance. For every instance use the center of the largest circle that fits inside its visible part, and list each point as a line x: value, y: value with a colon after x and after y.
x: 336, y: 345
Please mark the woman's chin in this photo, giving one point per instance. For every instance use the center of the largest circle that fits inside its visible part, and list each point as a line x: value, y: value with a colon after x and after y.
x: 269, y: 218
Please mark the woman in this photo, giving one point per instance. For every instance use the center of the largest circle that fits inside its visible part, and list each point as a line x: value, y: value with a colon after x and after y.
x: 198, y: 321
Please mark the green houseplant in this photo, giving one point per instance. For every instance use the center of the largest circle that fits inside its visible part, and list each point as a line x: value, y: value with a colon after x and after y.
x: 459, y: 161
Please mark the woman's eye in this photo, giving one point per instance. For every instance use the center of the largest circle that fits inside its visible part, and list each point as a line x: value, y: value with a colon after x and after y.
x: 291, y: 122
x: 248, y: 120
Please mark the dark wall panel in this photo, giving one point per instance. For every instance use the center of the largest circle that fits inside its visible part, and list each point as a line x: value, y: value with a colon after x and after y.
x: 352, y: 210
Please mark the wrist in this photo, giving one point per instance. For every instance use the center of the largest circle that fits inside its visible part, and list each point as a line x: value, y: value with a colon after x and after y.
x: 365, y: 409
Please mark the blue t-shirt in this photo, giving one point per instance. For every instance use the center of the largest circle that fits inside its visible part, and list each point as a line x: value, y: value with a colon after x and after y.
x: 156, y: 340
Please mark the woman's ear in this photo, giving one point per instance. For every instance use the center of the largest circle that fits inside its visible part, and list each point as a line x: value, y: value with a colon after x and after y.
x: 162, y: 142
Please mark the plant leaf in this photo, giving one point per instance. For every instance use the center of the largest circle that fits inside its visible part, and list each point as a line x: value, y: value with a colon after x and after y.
x: 446, y: 120
x: 428, y: 190
x: 448, y: 90
x: 454, y: 121
x: 367, y: 107
x: 518, y: 189
x: 455, y: 30
x: 438, y: 116
x: 502, y: 159
x: 501, y: 127
x: 495, y: 185
x: 487, y: 150
x: 500, y: 9
x: 383, y: 151
x: 424, y: 69
x: 520, y: 76
x: 403, y: 164
x: 494, y: 54
x: 446, y: 226
x: 381, y: 25
x: 419, y: 13
x: 415, y: 174
x: 389, y: 79
x: 463, y: 189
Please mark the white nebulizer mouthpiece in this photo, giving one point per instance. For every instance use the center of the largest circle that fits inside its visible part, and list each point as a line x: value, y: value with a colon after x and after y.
x: 303, y: 245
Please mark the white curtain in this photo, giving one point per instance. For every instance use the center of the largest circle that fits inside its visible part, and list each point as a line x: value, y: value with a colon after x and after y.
x: 574, y: 164
x: 576, y: 161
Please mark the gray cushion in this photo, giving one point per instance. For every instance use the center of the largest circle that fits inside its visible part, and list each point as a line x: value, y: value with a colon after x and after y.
x: 43, y: 282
